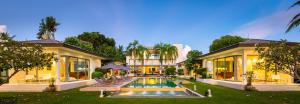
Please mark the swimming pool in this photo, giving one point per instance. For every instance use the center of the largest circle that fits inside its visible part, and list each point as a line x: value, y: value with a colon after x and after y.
x: 151, y: 82
x: 151, y: 87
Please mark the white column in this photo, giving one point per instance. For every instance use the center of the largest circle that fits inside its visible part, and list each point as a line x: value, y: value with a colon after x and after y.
x: 57, y: 69
x: 244, y: 65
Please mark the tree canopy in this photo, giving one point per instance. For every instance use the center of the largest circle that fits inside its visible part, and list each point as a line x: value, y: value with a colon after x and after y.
x: 47, y: 28
x: 295, y: 20
x: 97, y: 43
x: 190, y: 62
x: 279, y: 56
x: 17, y: 56
x: 225, y: 41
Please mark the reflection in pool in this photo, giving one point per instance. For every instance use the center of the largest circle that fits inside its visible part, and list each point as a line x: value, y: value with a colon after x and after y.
x: 151, y: 82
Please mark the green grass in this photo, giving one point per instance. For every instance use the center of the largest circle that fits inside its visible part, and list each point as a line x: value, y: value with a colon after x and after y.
x: 221, y: 95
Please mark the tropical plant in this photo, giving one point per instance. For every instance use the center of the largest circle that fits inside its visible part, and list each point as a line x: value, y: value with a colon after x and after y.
x: 170, y: 71
x: 143, y: 53
x: 97, y: 74
x: 132, y: 51
x: 225, y: 41
x: 120, y: 56
x: 295, y: 20
x: 279, y: 56
x: 202, y: 72
x: 180, y: 72
x: 18, y: 57
x: 167, y: 52
x: 190, y: 63
x: 47, y: 28
x: 248, y: 86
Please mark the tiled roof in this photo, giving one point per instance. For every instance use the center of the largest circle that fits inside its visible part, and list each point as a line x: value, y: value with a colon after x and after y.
x: 247, y: 43
x: 56, y: 43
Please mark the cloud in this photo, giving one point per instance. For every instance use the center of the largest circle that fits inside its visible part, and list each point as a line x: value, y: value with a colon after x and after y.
x: 3, y: 28
x: 273, y: 24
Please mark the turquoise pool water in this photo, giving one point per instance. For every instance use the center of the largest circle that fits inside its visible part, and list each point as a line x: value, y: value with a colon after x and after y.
x: 152, y: 93
x: 151, y: 82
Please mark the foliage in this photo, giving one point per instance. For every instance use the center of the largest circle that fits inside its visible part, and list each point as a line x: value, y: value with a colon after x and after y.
x: 190, y: 63
x: 80, y: 43
x: 279, y: 56
x: 295, y: 20
x: 180, y: 72
x: 2, y: 81
x: 194, y: 53
x: 51, y: 87
x: 120, y: 55
x: 99, y: 44
x: 170, y: 71
x: 137, y: 52
x: 167, y: 52
x: 202, y: 72
x: 17, y: 56
x: 225, y: 41
x: 123, y: 73
x: 249, y: 76
x: 47, y: 28
x: 97, y: 74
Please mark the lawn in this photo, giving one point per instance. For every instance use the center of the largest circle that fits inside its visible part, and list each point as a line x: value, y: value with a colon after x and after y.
x: 221, y: 95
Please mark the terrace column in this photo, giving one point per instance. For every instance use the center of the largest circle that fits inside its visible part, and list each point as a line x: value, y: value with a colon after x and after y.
x: 244, y: 65
x: 57, y: 62
x: 235, y: 68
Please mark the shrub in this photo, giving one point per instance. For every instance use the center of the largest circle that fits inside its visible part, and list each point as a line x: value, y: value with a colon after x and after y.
x: 170, y: 71
x: 97, y: 74
x: 180, y: 72
x: 249, y: 86
x: 123, y: 73
x: 202, y: 72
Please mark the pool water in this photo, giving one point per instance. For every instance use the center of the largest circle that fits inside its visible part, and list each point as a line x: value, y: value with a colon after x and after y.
x: 152, y: 86
x: 152, y: 93
x: 151, y: 82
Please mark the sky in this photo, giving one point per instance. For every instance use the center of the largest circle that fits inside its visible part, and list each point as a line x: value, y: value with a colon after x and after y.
x: 195, y: 23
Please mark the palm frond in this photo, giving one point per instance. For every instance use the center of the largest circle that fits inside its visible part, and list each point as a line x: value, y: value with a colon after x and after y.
x: 294, y: 22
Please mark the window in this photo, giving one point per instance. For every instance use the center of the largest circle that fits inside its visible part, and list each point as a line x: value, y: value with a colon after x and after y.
x: 73, y: 68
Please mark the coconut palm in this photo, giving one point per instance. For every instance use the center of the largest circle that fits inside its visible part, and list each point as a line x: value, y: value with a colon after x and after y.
x: 47, y: 28
x: 143, y: 53
x: 132, y: 50
x: 295, y: 20
x: 161, y: 50
x: 171, y: 52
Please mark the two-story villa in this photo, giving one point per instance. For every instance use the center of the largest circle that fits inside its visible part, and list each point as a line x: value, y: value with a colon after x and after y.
x: 152, y: 64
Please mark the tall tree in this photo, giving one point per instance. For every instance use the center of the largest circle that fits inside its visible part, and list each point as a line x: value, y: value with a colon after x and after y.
x: 279, y: 57
x: 171, y: 53
x: 18, y: 57
x: 47, y: 28
x: 132, y: 50
x: 120, y: 56
x: 190, y: 62
x: 143, y: 53
x: 225, y: 41
x: 161, y: 50
x: 295, y: 20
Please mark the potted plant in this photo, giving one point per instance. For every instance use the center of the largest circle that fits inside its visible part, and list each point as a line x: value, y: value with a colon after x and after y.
x: 249, y: 86
x: 51, y: 87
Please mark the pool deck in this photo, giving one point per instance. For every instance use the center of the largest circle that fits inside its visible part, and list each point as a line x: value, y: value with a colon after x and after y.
x: 110, y: 88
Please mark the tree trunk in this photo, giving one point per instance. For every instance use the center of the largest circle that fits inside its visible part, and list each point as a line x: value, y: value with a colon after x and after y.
x: 15, y: 72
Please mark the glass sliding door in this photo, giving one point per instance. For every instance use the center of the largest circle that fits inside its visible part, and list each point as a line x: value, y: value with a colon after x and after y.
x: 227, y: 68
x: 74, y: 69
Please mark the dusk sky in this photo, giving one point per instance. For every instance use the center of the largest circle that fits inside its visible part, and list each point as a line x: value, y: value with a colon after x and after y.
x: 191, y: 22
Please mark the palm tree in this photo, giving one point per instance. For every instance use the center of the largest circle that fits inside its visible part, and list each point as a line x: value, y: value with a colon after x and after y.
x: 143, y: 53
x: 47, y: 28
x: 132, y: 50
x: 161, y: 50
x: 171, y: 52
x: 295, y: 20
